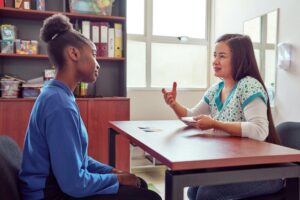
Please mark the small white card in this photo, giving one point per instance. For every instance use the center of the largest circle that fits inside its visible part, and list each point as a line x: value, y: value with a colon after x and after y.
x: 188, y: 120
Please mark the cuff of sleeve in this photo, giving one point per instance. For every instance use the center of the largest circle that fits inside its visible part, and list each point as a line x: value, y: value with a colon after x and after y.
x: 249, y: 132
x: 245, y: 126
x: 115, y: 187
x: 117, y: 181
x: 189, y: 113
x: 109, y: 169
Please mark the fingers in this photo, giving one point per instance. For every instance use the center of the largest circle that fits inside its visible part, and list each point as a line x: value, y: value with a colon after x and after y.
x: 118, y: 171
x: 169, y: 98
x: 198, y: 117
x: 174, y: 88
x: 127, y: 179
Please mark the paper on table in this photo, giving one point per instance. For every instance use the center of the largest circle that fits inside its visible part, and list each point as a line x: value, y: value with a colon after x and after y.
x: 150, y: 129
x: 188, y: 120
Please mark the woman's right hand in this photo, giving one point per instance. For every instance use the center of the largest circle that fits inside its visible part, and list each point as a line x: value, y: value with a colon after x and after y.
x: 170, y: 97
x: 128, y: 179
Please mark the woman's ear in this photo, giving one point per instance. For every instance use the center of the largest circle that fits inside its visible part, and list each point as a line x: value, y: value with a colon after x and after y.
x: 73, y: 53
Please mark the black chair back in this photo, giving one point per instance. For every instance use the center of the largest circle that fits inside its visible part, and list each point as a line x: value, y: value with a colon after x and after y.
x: 289, y: 133
x: 10, y: 163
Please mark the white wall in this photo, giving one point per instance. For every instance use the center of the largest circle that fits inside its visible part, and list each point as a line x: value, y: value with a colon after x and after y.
x: 150, y: 105
x: 229, y: 16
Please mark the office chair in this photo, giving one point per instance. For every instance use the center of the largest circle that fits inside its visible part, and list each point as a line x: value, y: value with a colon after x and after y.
x: 289, y: 134
x: 10, y: 163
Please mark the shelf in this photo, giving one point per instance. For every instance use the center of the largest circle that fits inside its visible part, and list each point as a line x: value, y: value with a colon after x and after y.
x: 43, y: 56
x: 14, y: 55
x: 37, y: 15
x: 110, y: 59
x: 77, y: 98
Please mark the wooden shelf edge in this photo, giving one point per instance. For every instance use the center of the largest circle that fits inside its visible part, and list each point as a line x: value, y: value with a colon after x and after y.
x: 77, y: 98
x: 14, y: 55
x: 35, y: 14
x: 43, y: 56
x: 110, y: 59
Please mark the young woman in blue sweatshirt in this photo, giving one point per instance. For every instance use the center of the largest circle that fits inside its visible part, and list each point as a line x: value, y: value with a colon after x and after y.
x: 55, y: 161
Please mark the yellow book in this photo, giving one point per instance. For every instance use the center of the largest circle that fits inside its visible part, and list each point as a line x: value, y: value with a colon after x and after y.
x: 118, y: 40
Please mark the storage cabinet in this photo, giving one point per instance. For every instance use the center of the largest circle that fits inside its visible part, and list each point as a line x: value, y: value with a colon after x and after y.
x: 95, y: 112
x: 14, y: 116
x: 99, y: 113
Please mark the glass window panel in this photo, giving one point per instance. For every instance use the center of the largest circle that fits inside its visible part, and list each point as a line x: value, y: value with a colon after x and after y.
x: 270, y: 74
x: 270, y: 67
x: 252, y: 28
x: 272, y: 27
x: 186, y: 64
x: 257, y: 57
x: 136, y: 64
x: 179, y: 18
x: 135, y: 17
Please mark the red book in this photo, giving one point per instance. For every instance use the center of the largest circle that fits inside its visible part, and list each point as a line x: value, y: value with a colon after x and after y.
x: 103, y: 43
x: 95, y: 34
x: 1, y: 3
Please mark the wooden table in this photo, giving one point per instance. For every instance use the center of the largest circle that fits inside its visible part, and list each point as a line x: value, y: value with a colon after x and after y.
x: 196, y: 157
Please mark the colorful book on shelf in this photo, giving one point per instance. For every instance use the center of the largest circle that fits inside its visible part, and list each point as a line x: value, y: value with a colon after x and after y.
x: 118, y: 40
x: 103, y: 48
x: 22, y: 4
x: 111, y: 42
x: 99, y: 33
x: 95, y: 32
x: 9, y: 3
x: 85, y: 27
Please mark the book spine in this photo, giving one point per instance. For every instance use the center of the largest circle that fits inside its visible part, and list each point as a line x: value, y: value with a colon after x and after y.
x: 118, y: 40
x: 9, y: 3
x: 111, y: 42
x: 104, y: 39
x: 86, y: 29
x: 1, y: 3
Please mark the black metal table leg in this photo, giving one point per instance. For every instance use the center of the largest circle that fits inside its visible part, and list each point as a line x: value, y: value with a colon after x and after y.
x: 112, y: 147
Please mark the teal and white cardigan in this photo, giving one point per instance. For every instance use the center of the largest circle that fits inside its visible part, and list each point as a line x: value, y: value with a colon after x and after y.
x: 246, y: 103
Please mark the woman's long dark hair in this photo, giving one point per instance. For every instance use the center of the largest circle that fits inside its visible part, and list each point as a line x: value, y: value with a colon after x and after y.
x: 244, y: 64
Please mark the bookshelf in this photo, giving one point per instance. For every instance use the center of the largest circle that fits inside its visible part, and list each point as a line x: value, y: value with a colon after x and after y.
x: 112, y: 79
x: 110, y: 102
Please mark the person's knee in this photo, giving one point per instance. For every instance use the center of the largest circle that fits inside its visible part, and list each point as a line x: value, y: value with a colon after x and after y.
x: 143, y: 183
x: 192, y: 192
x: 152, y: 196
x: 206, y: 193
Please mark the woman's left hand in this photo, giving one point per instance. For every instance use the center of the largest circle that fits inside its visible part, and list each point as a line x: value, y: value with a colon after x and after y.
x: 204, y: 122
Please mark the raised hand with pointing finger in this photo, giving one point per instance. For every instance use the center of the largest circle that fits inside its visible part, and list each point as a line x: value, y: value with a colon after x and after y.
x: 170, y: 97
